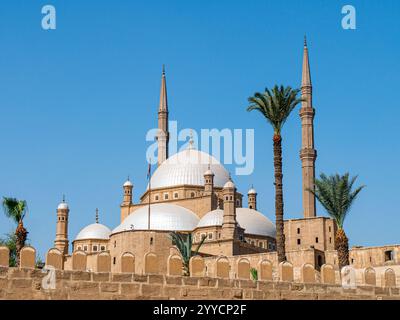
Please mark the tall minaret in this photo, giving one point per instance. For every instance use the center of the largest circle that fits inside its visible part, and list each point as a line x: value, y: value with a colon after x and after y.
x: 61, y: 241
x: 307, y: 153
x: 163, y: 134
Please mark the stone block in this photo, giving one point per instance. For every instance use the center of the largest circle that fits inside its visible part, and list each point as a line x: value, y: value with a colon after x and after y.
x: 122, y: 277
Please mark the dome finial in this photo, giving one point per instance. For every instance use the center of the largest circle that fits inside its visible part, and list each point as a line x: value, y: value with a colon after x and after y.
x: 191, y: 141
x: 163, y: 69
x: 97, y: 215
x: 305, y: 40
x: 63, y: 198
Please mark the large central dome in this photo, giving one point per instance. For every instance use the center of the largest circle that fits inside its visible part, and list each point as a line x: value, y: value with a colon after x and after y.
x: 188, y: 167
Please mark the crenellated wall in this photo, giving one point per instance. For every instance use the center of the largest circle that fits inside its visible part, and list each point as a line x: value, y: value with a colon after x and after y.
x: 211, y: 278
x: 75, y: 285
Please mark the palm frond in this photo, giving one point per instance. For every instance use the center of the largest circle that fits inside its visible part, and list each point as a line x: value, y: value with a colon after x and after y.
x: 14, y: 208
x: 336, y: 195
x: 275, y: 104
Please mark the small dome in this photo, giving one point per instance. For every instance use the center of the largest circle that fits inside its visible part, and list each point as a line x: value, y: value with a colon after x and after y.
x: 252, y: 221
x: 252, y: 191
x: 163, y: 216
x: 209, y: 172
x: 63, y: 205
x: 229, y: 184
x: 94, y: 231
x: 128, y: 183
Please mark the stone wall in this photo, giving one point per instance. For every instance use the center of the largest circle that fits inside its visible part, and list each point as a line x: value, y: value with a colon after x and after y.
x: 72, y: 285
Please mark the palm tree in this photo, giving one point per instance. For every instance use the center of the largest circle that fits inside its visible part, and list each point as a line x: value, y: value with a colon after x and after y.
x: 184, y: 244
x: 336, y: 195
x: 276, y: 105
x: 16, y: 210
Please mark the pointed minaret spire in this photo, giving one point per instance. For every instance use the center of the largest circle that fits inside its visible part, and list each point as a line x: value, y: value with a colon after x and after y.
x: 163, y: 106
x: 307, y: 153
x: 97, y: 215
x: 163, y: 135
x: 306, y: 75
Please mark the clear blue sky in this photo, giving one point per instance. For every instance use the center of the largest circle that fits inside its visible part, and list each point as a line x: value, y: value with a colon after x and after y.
x: 76, y: 102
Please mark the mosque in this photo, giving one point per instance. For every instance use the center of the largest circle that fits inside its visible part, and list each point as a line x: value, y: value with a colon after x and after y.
x: 192, y: 192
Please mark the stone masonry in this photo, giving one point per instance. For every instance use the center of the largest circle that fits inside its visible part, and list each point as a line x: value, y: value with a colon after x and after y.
x: 74, y: 285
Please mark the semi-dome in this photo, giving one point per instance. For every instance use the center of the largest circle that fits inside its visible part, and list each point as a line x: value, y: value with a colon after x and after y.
x: 96, y: 231
x: 163, y: 216
x: 252, y: 221
x: 187, y: 168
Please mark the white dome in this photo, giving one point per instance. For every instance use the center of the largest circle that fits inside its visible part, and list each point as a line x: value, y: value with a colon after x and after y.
x: 62, y: 205
x: 94, y: 231
x: 252, y: 221
x: 188, y: 167
x: 229, y: 184
x: 128, y: 183
x: 252, y: 191
x: 163, y: 216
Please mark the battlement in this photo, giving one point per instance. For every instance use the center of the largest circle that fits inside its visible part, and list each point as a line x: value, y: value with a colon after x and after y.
x: 73, y: 285
x: 211, y: 278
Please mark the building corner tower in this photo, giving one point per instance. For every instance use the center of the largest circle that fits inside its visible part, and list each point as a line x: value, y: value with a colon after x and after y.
x: 61, y: 242
x: 163, y: 134
x: 229, y: 222
x: 307, y: 153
